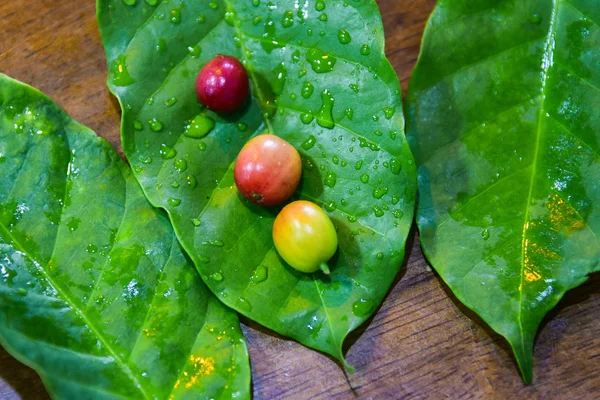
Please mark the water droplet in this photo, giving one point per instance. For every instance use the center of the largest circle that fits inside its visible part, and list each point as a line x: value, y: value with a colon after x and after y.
x: 120, y: 74
x: 395, y: 199
x: 307, y: 90
x: 485, y: 234
x: 323, y: 17
x: 306, y: 118
x: 320, y: 5
x: 243, y: 304
x: 395, y: 166
x: 173, y: 202
x: 331, y: 206
x: 214, y: 5
x: 199, y: 127
x: 180, y: 164
x: 196, y: 222
x: 378, y: 211
x: 365, y: 50
x: 191, y: 181
x: 195, y: 51
x: 535, y: 18
x: 145, y: 160
x: 155, y: 125
x: 330, y: 179
x: 365, y: 143
x: 379, y: 256
x: 176, y: 15
x: 389, y: 112
x: 288, y: 19
x: 151, y: 2
x: 230, y: 17
x: 217, y: 276
x: 398, y: 214
x: 174, y: 184
x: 167, y: 152
x: 215, y: 243
x: 309, y: 143
x: 201, y: 19
x: 325, y: 115
x: 344, y: 36
x: 363, y: 307
x: 354, y: 87
x: 352, y: 219
x: 364, y: 178
x: 161, y: 46
x: 348, y: 112
x: 301, y: 73
x: 259, y: 275
x: 280, y: 73
x: 379, y: 192
x: 336, y: 160
x: 129, y: 2
x: 138, y: 126
x: 256, y: 3
x: 269, y: 42
x: 358, y: 165
x: 320, y: 62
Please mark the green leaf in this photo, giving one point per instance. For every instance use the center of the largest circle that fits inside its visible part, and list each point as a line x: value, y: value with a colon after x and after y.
x: 503, y: 113
x: 321, y: 81
x: 95, y: 292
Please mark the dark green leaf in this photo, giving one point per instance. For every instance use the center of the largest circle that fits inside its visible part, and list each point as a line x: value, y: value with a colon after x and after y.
x: 321, y: 81
x: 503, y: 116
x: 95, y: 292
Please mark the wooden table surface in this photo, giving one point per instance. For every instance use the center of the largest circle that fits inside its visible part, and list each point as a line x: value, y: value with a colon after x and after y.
x: 422, y: 343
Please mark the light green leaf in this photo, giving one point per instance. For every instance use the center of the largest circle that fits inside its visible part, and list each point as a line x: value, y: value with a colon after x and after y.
x: 503, y: 113
x: 95, y: 292
x: 320, y: 80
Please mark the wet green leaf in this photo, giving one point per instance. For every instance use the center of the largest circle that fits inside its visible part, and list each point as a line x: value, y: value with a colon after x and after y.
x: 333, y: 101
x: 95, y: 292
x: 503, y: 114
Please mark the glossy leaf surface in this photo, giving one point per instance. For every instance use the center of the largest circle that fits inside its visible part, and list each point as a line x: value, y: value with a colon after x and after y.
x: 503, y: 117
x: 95, y: 292
x: 321, y: 81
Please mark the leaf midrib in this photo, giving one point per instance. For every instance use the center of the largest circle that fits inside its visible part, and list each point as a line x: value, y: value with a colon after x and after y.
x: 547, y: 64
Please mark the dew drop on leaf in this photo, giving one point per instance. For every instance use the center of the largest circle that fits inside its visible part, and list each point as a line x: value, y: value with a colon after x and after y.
x: 173, y: 202
x: 120, y: 74
x: 167, y: 152
x: 330, y: 179
x: 320, y: 62
x: 217, y: 276
x: 138, y: 126
x: 365, y: 50
x: 155, y: 125
x: 362, y: 307
x: 151, y: 2
x: 259, y: 275
x: 288, y: 19
x: 379, y: 192
x: 309, y: 143
x: 344, y: 36
x: 307, y: 90
x: 320, y: 5
x: 323, y: 17
x: 199, y: 127
x: 180, y: 164
x: 325, y: 114
x: 280, y: 73
x: 306, y: 118
x: 129, y: 2
x: 243, y: 304
x: 485, y: 235
x: 378, y: 211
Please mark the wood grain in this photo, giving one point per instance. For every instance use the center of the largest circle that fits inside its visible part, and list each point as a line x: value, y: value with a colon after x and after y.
x: 422, y: 343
